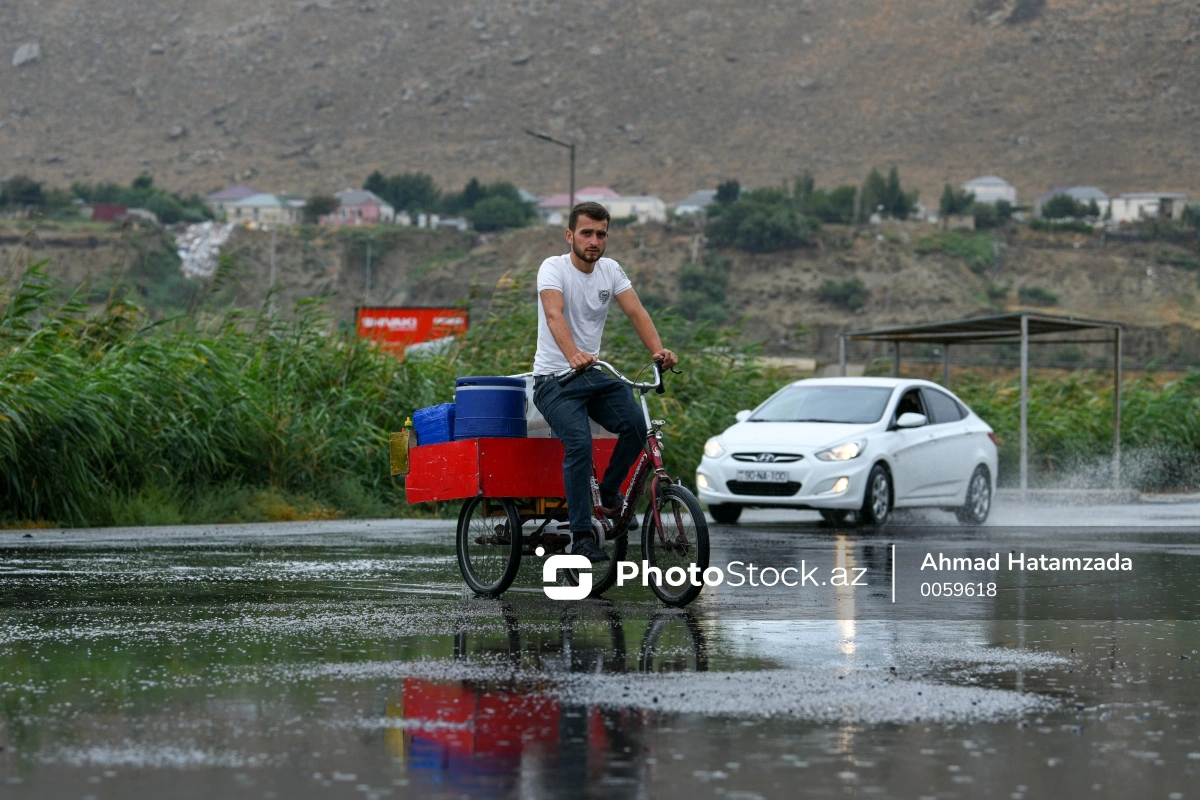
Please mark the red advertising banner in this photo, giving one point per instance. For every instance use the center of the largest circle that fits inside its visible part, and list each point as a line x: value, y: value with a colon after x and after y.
x: 396, y: 328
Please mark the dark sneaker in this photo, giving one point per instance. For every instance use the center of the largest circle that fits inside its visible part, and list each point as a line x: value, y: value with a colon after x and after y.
x: 614, y: 500
x: 611, y: 499
x: 586, y: 546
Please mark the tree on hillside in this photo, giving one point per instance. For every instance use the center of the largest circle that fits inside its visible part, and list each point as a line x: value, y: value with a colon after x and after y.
x: 409, y: 191
x: 465, y: 200
x: 499, y: 212
x: 873, y: 193
x: 728, y: 192
x: 21, y: 191
x: 953, y: 202
x: 1063, y: 206
x: 376, y: 183
x: 321, y: 205
x: 835, y: 206
x: 493, y: 207
x: 805, y: 185
x: 761, y: 221
x: 896, y: 202
x: 1004, y: 211
x: 1191, y: 215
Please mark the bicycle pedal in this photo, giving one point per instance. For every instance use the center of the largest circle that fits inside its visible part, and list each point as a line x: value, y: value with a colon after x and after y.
x: 555, y: 541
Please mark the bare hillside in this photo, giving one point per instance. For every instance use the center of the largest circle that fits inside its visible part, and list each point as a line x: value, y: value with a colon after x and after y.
x: 661, y: 96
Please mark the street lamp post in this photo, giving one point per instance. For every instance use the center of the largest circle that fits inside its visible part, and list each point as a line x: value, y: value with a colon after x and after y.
x: 569, y: 145
x: 367, y: 280
x: 271, y: 279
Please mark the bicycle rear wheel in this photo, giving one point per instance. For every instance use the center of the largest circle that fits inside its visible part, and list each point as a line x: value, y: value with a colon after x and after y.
x: 489, y: 545
x: 675, y: 540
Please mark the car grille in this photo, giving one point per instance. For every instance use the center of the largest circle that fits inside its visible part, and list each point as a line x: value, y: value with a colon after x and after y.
x: 763, y: 489
x: 770, y: 458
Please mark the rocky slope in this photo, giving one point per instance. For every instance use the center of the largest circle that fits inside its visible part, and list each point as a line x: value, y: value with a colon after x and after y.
x: 661, y: 96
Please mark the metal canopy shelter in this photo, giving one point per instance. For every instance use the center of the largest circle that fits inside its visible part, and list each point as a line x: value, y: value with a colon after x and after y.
x: 1013, y: 328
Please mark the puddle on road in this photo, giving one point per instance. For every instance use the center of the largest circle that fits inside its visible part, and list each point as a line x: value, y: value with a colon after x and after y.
x: 358, y: 667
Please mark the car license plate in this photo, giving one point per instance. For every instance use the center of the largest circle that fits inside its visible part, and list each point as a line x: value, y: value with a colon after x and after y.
x: 763, y: 475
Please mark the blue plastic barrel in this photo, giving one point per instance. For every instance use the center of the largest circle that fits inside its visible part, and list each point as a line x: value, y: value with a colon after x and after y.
x: 435, y: 424
x: 489, y: 407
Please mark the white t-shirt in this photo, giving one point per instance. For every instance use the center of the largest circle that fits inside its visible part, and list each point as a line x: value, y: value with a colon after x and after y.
x: 586, y: 300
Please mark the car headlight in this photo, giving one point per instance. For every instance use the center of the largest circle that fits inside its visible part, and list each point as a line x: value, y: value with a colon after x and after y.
x: 843, y: 452
x: 713, y: 449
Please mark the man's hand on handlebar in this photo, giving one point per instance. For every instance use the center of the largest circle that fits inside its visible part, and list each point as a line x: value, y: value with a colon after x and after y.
x: 667, y: 358
x: 581, y: 360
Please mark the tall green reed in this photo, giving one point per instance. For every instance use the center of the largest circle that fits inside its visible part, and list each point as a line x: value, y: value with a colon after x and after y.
x: 102, y: 408
x: 101, y: 403
x: 1070, y: 428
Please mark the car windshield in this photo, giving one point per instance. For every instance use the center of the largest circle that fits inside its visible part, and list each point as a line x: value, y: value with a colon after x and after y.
x: 841, y: 404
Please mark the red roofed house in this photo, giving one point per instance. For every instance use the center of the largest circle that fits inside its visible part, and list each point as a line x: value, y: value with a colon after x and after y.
x: 555, y: 209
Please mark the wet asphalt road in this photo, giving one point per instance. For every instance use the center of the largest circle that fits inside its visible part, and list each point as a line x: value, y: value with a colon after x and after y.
x: 346, y: 660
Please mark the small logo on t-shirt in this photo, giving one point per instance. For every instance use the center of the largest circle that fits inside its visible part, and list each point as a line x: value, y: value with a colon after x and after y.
x: 604, y: 295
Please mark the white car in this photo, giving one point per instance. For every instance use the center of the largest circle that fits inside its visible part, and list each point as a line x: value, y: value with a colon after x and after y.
x: 861, y: 445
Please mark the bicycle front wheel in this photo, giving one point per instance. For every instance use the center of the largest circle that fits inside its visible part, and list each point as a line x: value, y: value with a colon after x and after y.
x: 675, y: 540
x: 489, y: 545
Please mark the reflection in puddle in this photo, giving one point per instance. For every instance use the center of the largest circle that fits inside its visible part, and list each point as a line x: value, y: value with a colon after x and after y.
x: 494, y: 738
x: 481, y: 739
x: 304, y: 669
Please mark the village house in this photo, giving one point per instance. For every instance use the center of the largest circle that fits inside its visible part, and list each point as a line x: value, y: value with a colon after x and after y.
x: 639, y: 208
x: 264, y: 209
x: 696, y: 203
x: 555, y: 209
x: 217, y: 201
x: 990, y: 189
x: 360, y: 207
x: 1137, y: 206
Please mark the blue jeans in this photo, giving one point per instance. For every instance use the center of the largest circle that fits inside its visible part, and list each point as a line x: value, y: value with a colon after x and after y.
x: 609, y: 402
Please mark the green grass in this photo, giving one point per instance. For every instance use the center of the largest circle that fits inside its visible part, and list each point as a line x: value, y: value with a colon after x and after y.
x: 975, y: 250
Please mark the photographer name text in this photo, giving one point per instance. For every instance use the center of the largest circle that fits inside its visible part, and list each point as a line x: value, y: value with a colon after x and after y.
x: 1027, y: 562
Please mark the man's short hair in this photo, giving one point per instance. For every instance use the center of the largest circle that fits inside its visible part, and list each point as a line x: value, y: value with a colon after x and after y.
x: 591, y: 210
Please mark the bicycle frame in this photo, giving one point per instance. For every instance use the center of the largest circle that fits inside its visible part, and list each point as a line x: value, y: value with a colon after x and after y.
x: 649, y: 464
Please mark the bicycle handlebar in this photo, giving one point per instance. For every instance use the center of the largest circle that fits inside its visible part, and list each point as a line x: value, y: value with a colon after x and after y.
x: 568, y: 375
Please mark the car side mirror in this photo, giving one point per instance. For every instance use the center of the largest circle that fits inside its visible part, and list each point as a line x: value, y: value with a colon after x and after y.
x: 742, y: 415
x: 911, y: 419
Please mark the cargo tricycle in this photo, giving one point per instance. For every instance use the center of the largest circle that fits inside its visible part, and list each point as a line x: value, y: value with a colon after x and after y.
x: 514, y: 507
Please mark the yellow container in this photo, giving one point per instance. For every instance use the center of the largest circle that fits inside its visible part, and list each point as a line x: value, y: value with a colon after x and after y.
x: 398, y: 452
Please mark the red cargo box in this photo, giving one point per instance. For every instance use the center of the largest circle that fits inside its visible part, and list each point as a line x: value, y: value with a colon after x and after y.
x: 500, y: 467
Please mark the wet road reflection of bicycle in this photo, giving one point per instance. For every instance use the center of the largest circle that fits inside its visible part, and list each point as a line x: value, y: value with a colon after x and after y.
x: 489, y: 737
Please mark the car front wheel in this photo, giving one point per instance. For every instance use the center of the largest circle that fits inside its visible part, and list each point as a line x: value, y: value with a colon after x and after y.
x: 979, y: 498
x: 725, y: 513
x: 877, y: 499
